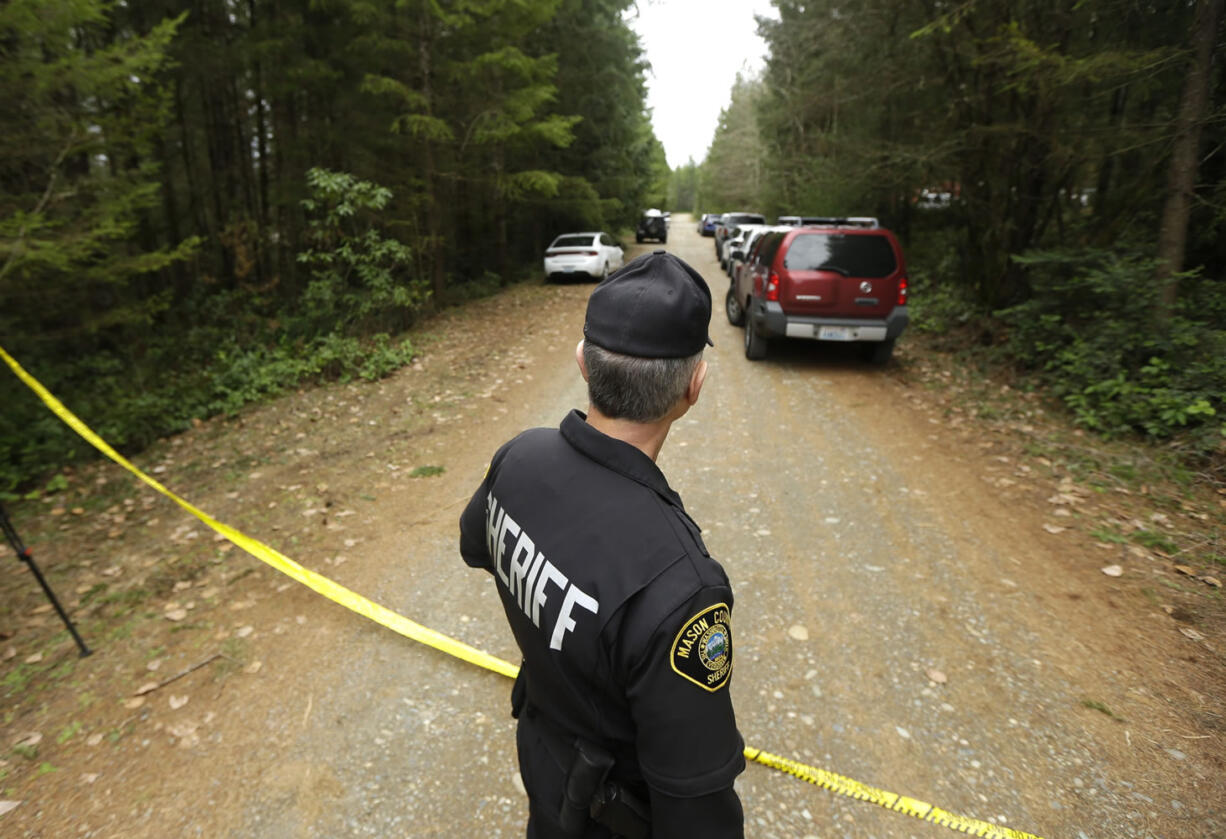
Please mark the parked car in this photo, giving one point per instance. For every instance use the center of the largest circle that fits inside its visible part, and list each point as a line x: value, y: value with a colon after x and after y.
x: 708, y: 223
x: 726, y: 222
x: 844, y: 280
x: 735, y: 241
x: 801, y: 221
x: 738, y: 254
x: 652, y: 225
x: 594, y: 254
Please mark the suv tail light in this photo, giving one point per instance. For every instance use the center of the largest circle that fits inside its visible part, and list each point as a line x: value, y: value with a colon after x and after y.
x: 591, y: 253
x: 772, y: 287
x: 902, y: 291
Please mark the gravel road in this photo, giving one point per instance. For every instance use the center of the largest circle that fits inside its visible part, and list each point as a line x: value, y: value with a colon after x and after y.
x: 863, y: 557
x: 899, y: 620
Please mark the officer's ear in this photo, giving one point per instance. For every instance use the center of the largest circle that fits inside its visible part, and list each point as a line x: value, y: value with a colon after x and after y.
x: 579, y: 359
x: 696, y: 379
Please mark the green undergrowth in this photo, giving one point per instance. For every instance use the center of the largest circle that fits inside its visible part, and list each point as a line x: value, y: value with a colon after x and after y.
x: 1092, y: 335
x: 1153, y: 444
x: 1088, y: 341
x: 990, y: 390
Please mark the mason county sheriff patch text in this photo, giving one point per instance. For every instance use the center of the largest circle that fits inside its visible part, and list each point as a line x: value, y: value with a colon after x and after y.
x: 702, y: 650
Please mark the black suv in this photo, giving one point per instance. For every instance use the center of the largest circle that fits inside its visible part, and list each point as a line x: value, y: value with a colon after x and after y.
x: 652, y: 225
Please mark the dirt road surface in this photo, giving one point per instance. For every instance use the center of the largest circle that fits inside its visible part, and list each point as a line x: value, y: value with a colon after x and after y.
x: 902, y: 616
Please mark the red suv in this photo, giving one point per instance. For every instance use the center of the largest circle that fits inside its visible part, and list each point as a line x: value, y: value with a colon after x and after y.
x: 839, y: 279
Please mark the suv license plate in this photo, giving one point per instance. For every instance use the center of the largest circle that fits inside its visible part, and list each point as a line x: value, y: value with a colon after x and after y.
x: 836, y: 333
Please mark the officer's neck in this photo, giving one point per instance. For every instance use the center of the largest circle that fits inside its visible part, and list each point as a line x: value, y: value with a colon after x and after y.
x: 647, y: 437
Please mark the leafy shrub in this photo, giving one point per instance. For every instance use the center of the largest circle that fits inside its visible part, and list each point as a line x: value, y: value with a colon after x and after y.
x: 473, y: 288
x: 1093, y: 333
x: 129, y: 412
x: 241, y: 376
x: 940, y: 300
x: 938, y: 307
x: 223, y: 354
x: 360, y: 280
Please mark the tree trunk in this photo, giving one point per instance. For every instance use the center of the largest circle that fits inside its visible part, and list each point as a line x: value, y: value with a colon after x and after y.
x: 196, y: 206
x: 261, y: 129
x: 1116, y: 119
x: 501, y: 241
x: 1181, y: 178
x: 434, y: 236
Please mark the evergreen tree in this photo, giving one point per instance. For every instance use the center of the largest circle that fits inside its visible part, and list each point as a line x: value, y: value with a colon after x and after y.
x: 78, y: 267
x: 683, y: 188
x: 142, y: 134
x: 733, y: 172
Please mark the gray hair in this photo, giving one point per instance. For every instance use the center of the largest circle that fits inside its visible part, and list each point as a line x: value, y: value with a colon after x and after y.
x: 633, y: 388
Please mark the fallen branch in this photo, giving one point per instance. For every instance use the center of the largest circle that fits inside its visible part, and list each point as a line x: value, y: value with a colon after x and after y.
x: 435, y: 514
x: 151, y: 687
x: 240, y: 575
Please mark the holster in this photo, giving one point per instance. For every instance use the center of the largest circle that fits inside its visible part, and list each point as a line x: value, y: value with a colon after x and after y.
x: 588, y: 771
x: 588, y: 793
x: 622, y: 812
x: 591, y: 795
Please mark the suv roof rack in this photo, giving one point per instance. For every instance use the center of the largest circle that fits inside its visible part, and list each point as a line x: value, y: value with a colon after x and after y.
x: 839, y: 221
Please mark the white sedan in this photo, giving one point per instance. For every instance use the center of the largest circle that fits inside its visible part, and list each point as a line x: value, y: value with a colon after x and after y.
x: 594, y: 254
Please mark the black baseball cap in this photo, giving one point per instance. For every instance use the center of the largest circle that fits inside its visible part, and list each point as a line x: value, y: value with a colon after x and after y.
x: 656, y: 306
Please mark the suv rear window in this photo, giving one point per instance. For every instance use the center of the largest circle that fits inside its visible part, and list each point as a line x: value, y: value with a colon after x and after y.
x: 858, y: 255
x: 744, y: 218
x: 768, y: 248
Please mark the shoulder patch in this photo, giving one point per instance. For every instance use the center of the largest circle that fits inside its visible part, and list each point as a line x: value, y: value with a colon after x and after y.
x: 702, y: 650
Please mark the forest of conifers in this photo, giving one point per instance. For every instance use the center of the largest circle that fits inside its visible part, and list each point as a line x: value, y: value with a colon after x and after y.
x: 1055, y: 169
x: 206, y: 201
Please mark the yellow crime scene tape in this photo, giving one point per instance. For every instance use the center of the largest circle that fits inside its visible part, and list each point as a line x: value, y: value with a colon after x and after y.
x: 355, y: 602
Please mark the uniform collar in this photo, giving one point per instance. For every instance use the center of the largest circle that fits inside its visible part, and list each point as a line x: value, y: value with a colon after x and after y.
x: 617, y: 455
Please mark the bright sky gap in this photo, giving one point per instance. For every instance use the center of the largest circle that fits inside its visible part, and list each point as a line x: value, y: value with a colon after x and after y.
x: 696, y: 48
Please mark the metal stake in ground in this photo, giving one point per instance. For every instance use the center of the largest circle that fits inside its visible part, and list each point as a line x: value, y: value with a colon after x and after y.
x: 23, y: 553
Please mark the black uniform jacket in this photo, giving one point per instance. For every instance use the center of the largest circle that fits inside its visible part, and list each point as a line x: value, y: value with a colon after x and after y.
x: 623, y: 618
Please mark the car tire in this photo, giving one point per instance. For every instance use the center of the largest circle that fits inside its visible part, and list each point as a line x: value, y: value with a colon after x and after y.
x: 638, y: 238
x: 663, y: 240
x: 755, y: 342
x: 604, y: 274
x: 879, y: 353
x: 732, y: 308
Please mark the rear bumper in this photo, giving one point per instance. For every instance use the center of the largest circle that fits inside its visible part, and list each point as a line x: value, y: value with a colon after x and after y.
x: 770, y: 319
x: 561, y: 267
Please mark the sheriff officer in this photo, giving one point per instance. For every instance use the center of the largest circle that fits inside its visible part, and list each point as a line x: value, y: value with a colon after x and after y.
x: 623, y: 618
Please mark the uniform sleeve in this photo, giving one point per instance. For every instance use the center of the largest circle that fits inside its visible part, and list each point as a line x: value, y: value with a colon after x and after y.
x: 472, y: 528
x: 473, y: 545
x: 689, y: 749
x: 717, y: 814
